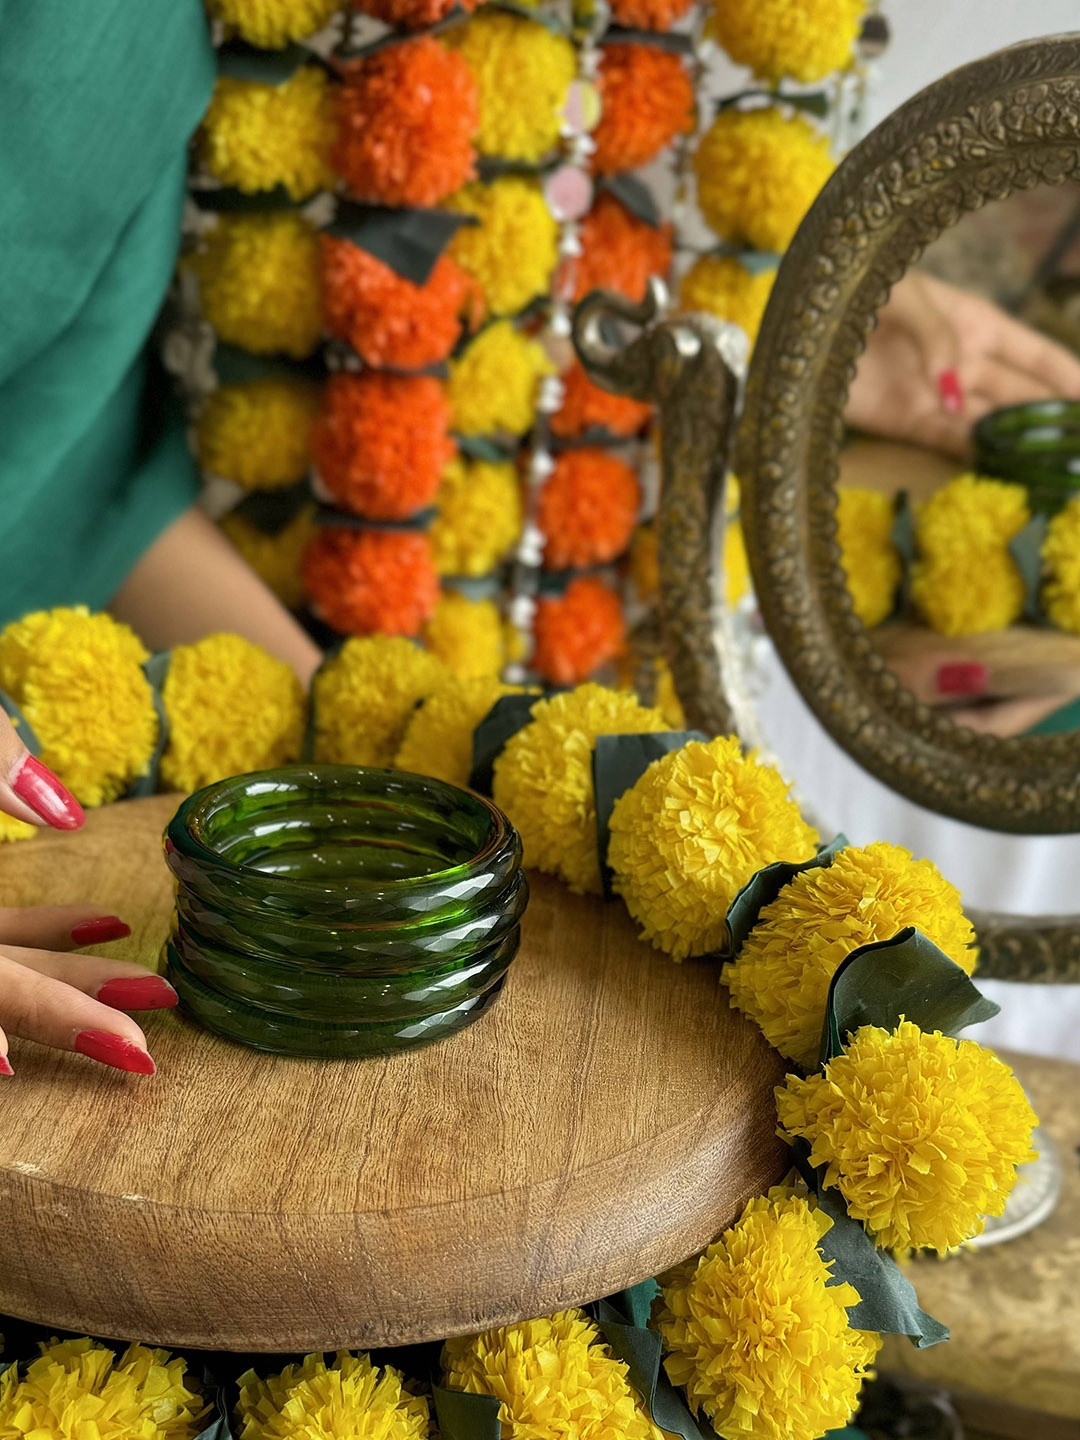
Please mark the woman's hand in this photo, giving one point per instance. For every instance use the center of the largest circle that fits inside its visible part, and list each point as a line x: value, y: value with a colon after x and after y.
x: 940, y: 359
x: 70, y: 1002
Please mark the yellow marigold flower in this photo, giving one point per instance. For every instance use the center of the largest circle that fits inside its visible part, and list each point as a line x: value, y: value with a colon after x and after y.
x: 802, y: 40
x: 352, y: 1399
x: 258, y: 433
x: 691, y: 832
x: 12, y: 829
x: 758, y: 173
x: 736, y: 563
x: 864, y: 525
x: 758, y: 1335
x: 272, y: 24
x: 523, y: 72
x: 513, y: 251
x: 493, y: 386
x: 721, y: 285
x: 970, y: 514
x: 553, y: 1377
x: 232, y: 708
x: 781, y: 975
x: 276, y: 559
x: 467, y: 635
x: 255, y: 137
x: 965, y: 595
x: 365, y: 696
x: 667, y: 697
x: 259, y: 279
x: 479, y: 517
x: 543, y: 778
x: 77, y: 1389
x: 921, y: 1133
x: 645, y: 562
x: 78, y: 679
x: 439, y: 738
x: 1061, y: 568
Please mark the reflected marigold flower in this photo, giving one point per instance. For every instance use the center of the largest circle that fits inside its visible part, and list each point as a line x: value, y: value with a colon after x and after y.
x: 647, y: 98
x: 371, y: 582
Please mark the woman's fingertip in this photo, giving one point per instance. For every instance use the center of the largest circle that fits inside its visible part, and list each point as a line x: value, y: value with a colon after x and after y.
x: 140, y: 992
x: 963, y: 678
x: 100, y: 931
x: 5, y: 1066
x: 951, y: 392
x: 36, y: 786
x: 115, y: 1051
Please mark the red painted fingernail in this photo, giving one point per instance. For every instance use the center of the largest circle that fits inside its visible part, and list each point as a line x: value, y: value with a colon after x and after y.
x: 139, y: 992
x: 5, y: 1066
x: 114, y: 1050
x: 43, y: 792
x: 963, y: 677
x: 101, y: 931
x: 951, y: 392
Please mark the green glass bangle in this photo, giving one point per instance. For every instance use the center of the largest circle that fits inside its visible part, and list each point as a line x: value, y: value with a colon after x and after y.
x: 1037, y: 446
x: 333, y: 911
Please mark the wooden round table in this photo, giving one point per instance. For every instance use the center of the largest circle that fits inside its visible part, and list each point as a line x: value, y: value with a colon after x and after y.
x: 608, y: 1117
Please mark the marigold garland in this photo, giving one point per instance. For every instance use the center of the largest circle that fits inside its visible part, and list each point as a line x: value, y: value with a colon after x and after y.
x: 406, y: 118
x: 258, y: 433
x: 577, y: 632
x: 970, y: 513
x: 255, y: 137
x: 468, y: 636
x: 657, y: 15
x: 78, y: 680
x: 722, y: 286
x: 587, y: 509
x: 350, y: 1399
x: 691, y: 832
x: 232, y: 708
x: 756, y: 1328
x: 647, y: 100
x: 523, y: 72
x: 479, y: 517
x: 543, y: 778
x: 364, y: 697
x: 273, y: 24
x: 586, y: 407
x: 619, y: 251
x: 872, y: 564
x: 388, y: 320
x: 781, y: 976
x: 493, y: 386
x: 439, y: 737
x: 259, y: 282
x: 371, y: 582
x: 512, y: 252
x: 921, y: 1133
x: 381, y: 442
x: 412, y: 14
x: 553, y: 1376
x: 1061, y: 568
x: 275, y: 558
x: 758, y: 172
x: 778, y: 40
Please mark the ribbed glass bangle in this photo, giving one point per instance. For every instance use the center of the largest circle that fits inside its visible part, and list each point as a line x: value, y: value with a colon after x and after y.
x: 1037, y: 446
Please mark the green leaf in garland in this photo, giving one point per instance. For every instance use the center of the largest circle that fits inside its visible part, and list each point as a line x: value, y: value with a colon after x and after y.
x: 409, y: 241
x: 218, y: 1429
x: 674, y: 41
x: 635, y: 195
x: 240, y: 61
x: 462, y: 1416
x: 639, y: 1350
x: 270, y: 511
x: 757, y: 262
x: 155, y: 669
x: 814, y: 102
x: 503, y: 721
x: 473, y: 587
x: 543, y: 15
x: 1026, y: 549
x: 228, y: 201
x: 334, y: 519
x: 763, y: 888
x: 398, y: 37
x: 481, y: 447
x: 235, y: 367
x: 903, y: 538
x: 906, y: 977
x: 636, y: 1303
x: 23, y: 728
x: 618, y: 762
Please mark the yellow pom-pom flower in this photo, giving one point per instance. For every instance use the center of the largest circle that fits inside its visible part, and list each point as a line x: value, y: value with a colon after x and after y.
x: 439, y: 739
x: 232, y: 708
x: 543, y: 778
x: 691, y: 832
x: 523, y: 72
x: 757, y: 1332
x: 258, y: 433
x: 970, y: 514
x: 552, y: 1377
x: 12, y: 829
x: 781, y: 976
x: 365, y: 696
x: 79, y: 1390
x: 1061, y: 568
x: 758, y: 173
x: 803, y: 40
x: 272, y: 24
x: 864, y: 527
x: 467, y: 635
x: 276, y: 559
x: 479, y: 517
x: 513, y: 251
x: 351, y: 1399
x: 721, y: 285
x: 259, y: 279
x: 920, y: 1133
x: 493, y: 385
x: 78, y: 679
x: 256, y: 137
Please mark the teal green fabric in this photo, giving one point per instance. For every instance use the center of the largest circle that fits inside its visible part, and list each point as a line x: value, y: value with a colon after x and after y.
x: 98, y: 99
x: 1062, y: 722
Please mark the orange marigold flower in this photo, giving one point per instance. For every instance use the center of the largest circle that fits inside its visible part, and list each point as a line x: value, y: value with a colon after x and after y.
x: 381, y: 442
x: 648, y: 14
x: 406, y: 120
x: 619, y: 251
x: 648, y: 99
x: 586, y: 406
x: 371, y: 582
x: 412, y: 14
x: 387, y: 319
x: 587, y: 509
x: 577, y: 632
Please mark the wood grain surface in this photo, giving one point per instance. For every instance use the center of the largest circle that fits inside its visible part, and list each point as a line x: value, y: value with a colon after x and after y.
x: 607, y: 1118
